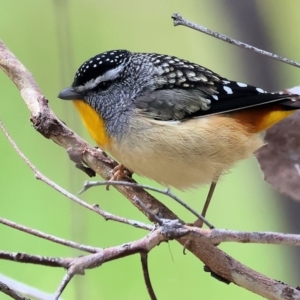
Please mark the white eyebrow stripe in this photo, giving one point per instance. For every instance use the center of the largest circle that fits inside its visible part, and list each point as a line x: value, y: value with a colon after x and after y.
x: 108, y: 75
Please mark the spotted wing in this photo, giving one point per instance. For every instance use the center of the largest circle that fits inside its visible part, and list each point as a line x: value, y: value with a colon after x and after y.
x: 187, y: 90
x: 178, y: 104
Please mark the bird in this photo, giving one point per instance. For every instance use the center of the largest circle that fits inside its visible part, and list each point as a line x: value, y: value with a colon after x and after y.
x: 171, y: 120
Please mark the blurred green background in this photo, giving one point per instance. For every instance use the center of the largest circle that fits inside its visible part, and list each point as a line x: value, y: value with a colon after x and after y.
x: 52, y: 38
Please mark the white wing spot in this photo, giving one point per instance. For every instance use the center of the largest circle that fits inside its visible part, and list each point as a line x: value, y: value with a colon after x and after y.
x: 228, y: 90
x: 260, y: 90
x: 95, y: 66
x: 241, y: 84
x: 226, y: 81
x: 215, y: 97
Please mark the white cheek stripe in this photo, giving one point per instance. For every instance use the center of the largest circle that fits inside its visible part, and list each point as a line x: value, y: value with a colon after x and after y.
x: 109, y: 75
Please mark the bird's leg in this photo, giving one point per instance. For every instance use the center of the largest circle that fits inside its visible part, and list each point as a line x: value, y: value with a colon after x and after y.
x: 119, y: 172
x: 199, y: 223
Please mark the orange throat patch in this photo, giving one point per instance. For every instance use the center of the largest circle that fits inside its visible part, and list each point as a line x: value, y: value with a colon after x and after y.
x: 94, y: 123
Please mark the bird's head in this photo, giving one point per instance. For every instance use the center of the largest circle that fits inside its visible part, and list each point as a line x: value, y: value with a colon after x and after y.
x: 112, y: 79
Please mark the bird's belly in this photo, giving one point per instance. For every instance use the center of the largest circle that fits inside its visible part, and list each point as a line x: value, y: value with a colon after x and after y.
x: 172, y: 172
x: 187, y: 154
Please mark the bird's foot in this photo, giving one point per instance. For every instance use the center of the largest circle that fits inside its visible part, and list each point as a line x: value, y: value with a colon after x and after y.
x: 118, y: 173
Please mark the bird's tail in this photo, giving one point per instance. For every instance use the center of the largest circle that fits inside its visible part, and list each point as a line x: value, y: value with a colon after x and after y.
x: 260, y: 118
x: 292, y: 103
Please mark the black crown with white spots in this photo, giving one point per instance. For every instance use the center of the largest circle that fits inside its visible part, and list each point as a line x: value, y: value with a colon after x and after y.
x: 99, y: 65
x: 202, y: 91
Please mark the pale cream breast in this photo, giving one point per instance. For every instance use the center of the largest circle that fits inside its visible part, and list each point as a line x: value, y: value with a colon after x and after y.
x: 184, y: 154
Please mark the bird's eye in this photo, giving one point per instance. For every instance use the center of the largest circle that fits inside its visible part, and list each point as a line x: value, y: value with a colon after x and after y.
x: 104, y: 85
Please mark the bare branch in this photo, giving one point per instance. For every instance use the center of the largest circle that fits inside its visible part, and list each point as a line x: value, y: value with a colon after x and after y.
x: 35, y: 259
x: 11, y: 293
x: 134, y: 223
x: 171, y: 229
x: 217, y: 236
x: 25, y: 289
x: 179, y: 20
x: 67, y: 278
x: 48, y: 236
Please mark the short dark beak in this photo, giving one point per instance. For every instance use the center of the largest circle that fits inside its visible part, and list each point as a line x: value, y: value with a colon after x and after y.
x: 69, y: 94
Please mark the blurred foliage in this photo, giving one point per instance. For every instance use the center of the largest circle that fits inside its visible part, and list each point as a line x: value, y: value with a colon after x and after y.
x: 52, y: 38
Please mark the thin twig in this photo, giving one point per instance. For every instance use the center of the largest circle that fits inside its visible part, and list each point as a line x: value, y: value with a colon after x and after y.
x: 179, y: 20
x: 134, y: 223
x: 49, y: 237
x: 167, y: 192
x: 63, y: 284
x: 11, y: 293
x: 35, y: 259
x: 72, y: 197
x: 144, y: 261
x: 26, y: 289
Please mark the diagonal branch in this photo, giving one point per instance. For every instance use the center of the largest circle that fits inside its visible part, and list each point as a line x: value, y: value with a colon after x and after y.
x: 179, y: 20
x: 10, y: 292
x: 25, y: 289
x: 48, y: 237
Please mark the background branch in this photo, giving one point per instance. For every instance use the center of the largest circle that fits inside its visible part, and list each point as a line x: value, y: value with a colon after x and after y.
x: 179, y: 20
